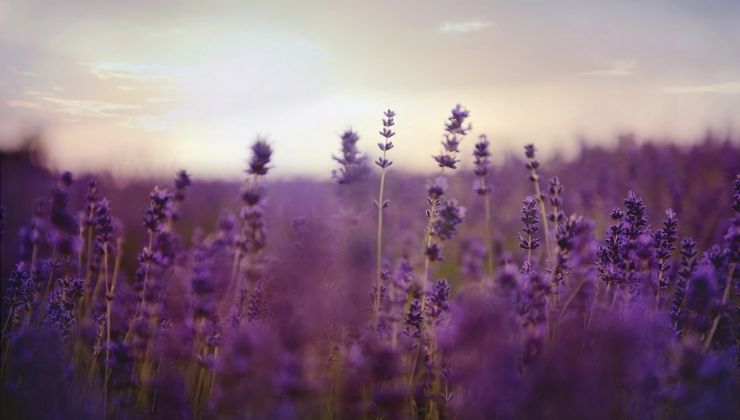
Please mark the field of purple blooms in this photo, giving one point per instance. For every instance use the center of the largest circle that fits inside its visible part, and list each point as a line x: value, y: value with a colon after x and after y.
x: 605, y: 286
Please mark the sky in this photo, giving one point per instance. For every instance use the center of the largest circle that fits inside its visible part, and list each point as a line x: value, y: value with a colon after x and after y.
x: 146, y: 87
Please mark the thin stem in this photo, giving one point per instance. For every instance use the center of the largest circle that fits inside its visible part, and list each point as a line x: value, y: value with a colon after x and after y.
x: 49, y: 282
x: 571, y: 298
x: 143, y: 290
x: 88, y: 268
x: 7, y: 320
x: 107, y: 327
x: 660, y: 280
x: 34, y: 256
x: 239, y: 261
x: 489, y: 230
x: 425, y: 281
x: 379, y: 247
x: 715, y: 322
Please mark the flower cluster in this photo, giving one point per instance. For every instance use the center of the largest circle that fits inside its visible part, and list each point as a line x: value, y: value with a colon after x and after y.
x: 352, y: 164
x: 482, y: 164
x: 455, y: 131
x: 530, y: 218
x: 159, y: 209
x: 387, y: 133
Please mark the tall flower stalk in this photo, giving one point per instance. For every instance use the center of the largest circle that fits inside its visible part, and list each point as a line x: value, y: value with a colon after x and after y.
x: 665, y: 239
x: 253, y: 237
x: 352, y: 164
x: 688, y: 266
x: 386, y: 132
x: 530, y: 218
x: 532, y: 165
x: 481, y: 186
x: 455, y: 131
x: 443, y: 217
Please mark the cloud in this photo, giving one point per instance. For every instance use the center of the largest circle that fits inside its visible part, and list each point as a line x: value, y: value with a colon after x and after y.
x: 17, y: 72
x: 729, y: 88
x: 88, y: 108
x: 461, y: 27
x: 150, y: 123
x: 23, y: 104
x: 75, y: 107
x: 139, y: 72
x: 614, y: 68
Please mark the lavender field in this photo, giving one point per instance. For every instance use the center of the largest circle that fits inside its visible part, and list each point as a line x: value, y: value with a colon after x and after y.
x: 604, y: 286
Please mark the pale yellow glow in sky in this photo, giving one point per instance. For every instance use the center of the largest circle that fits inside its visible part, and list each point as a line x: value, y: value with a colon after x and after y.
x: 149, y: 88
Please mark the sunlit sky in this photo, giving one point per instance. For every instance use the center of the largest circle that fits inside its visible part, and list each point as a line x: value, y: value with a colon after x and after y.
x: 150, y: 86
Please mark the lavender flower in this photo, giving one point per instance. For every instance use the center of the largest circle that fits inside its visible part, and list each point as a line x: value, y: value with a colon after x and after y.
x: 381, y: 203
x: 352, y: 164
x: 261, y: 154
x: 103, y: 223
x: 532, y: 165
x: 688, y: 265
x: 530, y: 218
x: 636, y: 216
x: 437, y: 301
x: 61, y: 312
x: 564, y: 237
x: 434, y: 252
x: 556, y: 201
x: 18, y: 295
x: 482, y: 165
x: 254, y: 236
x: 387, y: 133
x: 60, y: 216
x: 435, y: 190
x: 158, y: 211
x: 482, y: 188
x: 448, y: 215
x: 665, y: 239
x: 529, y: 153
x: 256, y: 305
x: 414, y: 320
x: 182, y: 182
x: 456, y: 130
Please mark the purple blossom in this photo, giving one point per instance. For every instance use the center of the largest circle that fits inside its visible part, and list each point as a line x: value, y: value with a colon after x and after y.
x: 530, y: 218
x: 261, y: 154
x: 448, y: 215
x: 352, y: 164
x: 455, y: 131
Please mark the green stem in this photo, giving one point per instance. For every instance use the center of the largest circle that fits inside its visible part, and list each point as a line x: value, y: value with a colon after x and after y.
x: 715, y: 322
x: 379, y: 248
x: 489, y: 230
x: 49, y: 282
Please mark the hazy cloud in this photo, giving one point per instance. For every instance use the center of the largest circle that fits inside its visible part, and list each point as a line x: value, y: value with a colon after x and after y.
x: 458, y: 27
x: 729, y: 88
x: 75, y: 107
x: 23, y: 104
x: 614, y: 68
x: 15, y: 71
x: 140, y: 72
